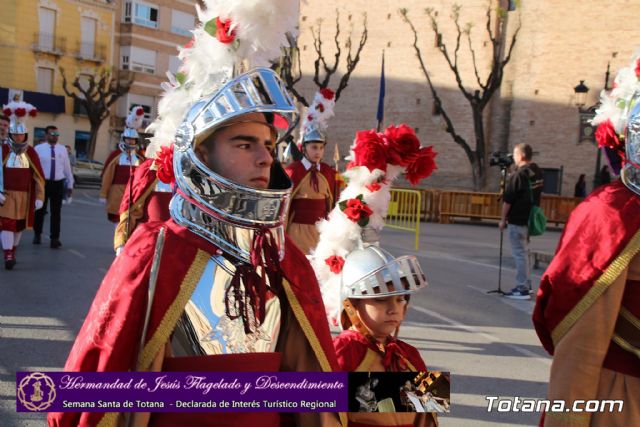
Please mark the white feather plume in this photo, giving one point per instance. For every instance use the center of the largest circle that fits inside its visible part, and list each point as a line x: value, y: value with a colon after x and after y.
x: 318, y: 113
x: 260, y: 28
x: 134, y: 118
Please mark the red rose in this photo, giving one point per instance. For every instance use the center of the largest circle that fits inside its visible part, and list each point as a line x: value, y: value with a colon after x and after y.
x: 189, y: 45
x: 373, y: 187
x: 139, y: 111
x: 223, y: 33
x: 7, y: 112
x: 423, y: 165
x: 164, y: 164
x: 309, y: 118
x: 607, y: 137
x: 638, y: 68
x: 327, y: 93
x: 335, y: 263
x: 370, y: 151
x: 33, y: 112
x: 320, y: 107
x: 402, y: 144
x: 356, y: 210
x: 21, y: 112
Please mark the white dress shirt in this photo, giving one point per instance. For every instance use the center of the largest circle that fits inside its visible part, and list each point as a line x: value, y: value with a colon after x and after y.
x: 63, y: 166
x: 307, y: 164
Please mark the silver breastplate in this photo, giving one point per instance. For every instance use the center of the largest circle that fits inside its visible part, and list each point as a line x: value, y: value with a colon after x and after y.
x: 18, y: 161
x: 205, y: 329
x: 126, y: 159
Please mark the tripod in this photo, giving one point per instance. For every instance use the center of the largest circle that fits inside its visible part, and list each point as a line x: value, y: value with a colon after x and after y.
x: 503, y: 186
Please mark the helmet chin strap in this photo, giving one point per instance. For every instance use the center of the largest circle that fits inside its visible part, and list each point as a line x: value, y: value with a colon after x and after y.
x: 359, y: 326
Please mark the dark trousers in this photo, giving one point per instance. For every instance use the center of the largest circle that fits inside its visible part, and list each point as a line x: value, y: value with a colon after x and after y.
x: 54, y: 192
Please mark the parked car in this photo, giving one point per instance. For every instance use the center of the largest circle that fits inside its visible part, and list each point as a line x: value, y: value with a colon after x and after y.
x: 87, y: 172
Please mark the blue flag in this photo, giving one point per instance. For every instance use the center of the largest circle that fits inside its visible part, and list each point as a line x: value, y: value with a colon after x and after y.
x: 380, y: 114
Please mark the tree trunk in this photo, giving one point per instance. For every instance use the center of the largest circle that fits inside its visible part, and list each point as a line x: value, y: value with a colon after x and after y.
x: 479, y: 176
x: 93, y: 138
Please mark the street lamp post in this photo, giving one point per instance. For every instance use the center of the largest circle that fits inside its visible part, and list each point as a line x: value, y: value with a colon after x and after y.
x: 586, y: 114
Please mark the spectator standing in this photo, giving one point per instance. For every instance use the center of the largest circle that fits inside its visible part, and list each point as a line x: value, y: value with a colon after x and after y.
x: 605, y: 175
x: 581, y: 187
x: 57, y: 171
x: 524, y: 187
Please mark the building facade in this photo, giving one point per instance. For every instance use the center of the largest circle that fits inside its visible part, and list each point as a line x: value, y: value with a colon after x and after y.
x: 40, y: 37
x: 149, y: 33
x: 557, y: 46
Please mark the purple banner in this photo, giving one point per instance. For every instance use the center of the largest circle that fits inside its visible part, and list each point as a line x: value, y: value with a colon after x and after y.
x: 181, y: 392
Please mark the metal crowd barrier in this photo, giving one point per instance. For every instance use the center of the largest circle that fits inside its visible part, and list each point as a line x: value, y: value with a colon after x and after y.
x: 404, y: 212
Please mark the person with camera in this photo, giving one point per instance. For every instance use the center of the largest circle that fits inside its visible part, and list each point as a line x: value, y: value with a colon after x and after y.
x: 522, y: 192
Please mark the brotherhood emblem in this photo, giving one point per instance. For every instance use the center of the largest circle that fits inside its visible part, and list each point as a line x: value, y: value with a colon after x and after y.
x: 37, y: 391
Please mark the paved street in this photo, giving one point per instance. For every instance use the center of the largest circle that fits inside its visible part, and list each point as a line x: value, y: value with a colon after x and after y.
x: 486, y: 341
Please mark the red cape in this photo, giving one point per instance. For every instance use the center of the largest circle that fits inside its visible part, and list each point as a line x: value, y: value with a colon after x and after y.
x: 351, y: 348
x: 143, y: 178
x: 600, y: 229
x: 109, y: 339
x: 38, y: 174
x: 297, y: 172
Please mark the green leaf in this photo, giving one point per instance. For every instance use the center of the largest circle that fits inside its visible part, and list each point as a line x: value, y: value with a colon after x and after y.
x: 361, y: 197
x: 343, y: 205
x: 363, y: 222
x: 210, y: 27
x: 181, y: 78
x: 235, y: 43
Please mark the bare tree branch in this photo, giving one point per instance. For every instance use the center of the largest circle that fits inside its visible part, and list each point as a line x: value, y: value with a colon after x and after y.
x: 352, y: 61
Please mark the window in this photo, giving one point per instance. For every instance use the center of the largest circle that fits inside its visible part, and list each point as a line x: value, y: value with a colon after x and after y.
x: 141, y: 14
x: 88, y: 30
x: 81, y: 143
x: 47, y: 29
x: 182, y: 23
x: 38, y: 136
x: 45, y: 79
x: 174, y: 64
x: 138, y: 59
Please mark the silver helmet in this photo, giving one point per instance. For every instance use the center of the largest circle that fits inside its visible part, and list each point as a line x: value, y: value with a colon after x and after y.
x: 128, y: 133
x: 223, y: 211
x: 630, y: 174
x: 16, y: 128
x: 313, y: 133
x: 373, y: 272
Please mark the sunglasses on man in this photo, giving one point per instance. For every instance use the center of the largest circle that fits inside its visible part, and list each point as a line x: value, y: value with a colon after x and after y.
x: 55, y: 134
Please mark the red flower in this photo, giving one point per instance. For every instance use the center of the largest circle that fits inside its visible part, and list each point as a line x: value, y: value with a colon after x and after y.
x: 7, y: 112
x: 638, y: 68
x: 164, y: 164
x: 139, y: 111
x: 320, y: 107
x: 423, y: 165
x: 356, y: 210
x: 223, y: 33
x: 335, y: 263
x: 402, y: 144
x: 33, y: 112
x: 370, y: 151
x: 607, y: 137
x: 189, y: 45
x: 327, y: 93
x: 21, y: 112
x: 309, y: 118
x: 373, y: 187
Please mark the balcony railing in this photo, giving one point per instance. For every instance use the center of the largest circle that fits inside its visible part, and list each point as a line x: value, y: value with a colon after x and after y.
x: 90, y: 52
x: 49, y: 43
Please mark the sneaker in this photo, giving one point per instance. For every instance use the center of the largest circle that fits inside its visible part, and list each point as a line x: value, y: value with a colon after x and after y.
x: 36, y: 239
x: 9, y: 259
x: 517, y: 293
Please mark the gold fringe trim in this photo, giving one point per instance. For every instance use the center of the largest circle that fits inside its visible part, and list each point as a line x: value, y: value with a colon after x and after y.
x: 619, y: 264
x: 306, y: 326
x: 630, y: 317
x: 168, y: 322
x: 110, y: 419
x: 625, y: 344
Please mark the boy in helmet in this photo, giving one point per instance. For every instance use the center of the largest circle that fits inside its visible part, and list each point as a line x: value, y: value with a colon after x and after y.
x: 120, y: 165
x: 315, y: 186
x: 23, y: 181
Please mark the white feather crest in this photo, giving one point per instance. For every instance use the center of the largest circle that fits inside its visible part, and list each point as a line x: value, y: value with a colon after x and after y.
x: 614, y: 103
x: 339, y: 235
x: 260, y: 27
x: 134, y: 118
x: 318, y: 113
x: 30, y: 111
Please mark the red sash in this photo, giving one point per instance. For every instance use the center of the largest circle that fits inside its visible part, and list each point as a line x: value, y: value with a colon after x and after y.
x: 121, y: 175
x: 157, y: 207
x: 308, y: 211
x: 17, y: 179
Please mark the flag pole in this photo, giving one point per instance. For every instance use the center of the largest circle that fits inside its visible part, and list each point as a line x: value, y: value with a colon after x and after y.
x: 380, y: 113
